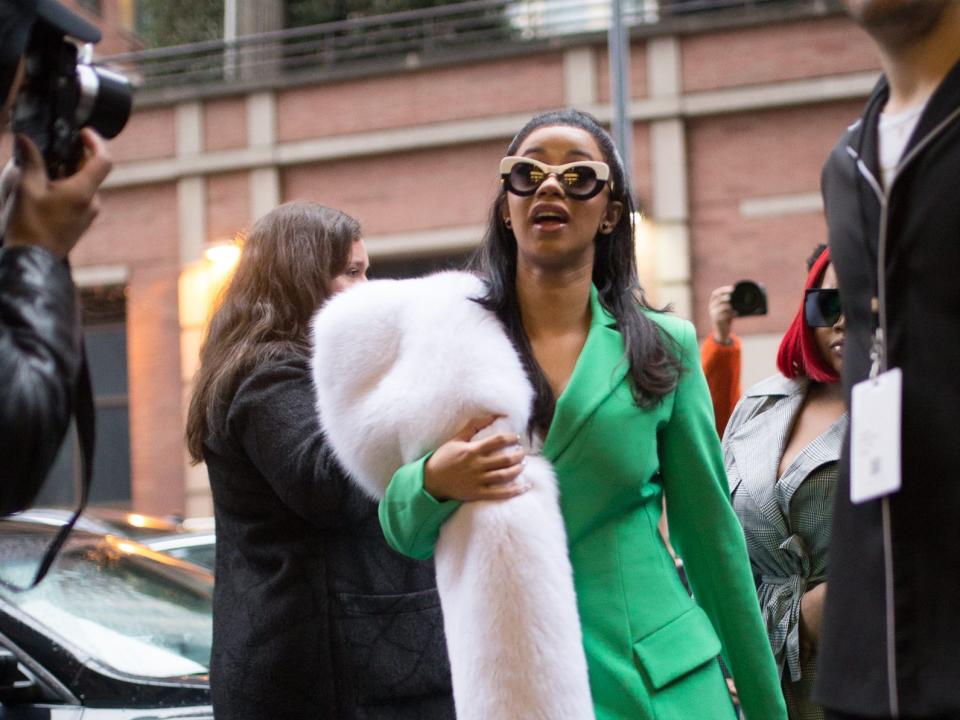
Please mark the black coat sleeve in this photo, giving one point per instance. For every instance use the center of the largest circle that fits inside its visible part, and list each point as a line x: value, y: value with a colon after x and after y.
x: 273, y: 418
x: 39, y: 361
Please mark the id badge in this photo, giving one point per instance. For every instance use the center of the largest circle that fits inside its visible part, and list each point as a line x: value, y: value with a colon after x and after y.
x: 875, y: 414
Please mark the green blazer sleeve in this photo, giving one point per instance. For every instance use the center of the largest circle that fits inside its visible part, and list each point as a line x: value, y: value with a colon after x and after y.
x: 705, y: 530
x: 409, y: 515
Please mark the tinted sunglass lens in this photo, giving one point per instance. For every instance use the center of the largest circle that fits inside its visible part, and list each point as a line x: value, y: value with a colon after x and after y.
x: 822, y: 307
x: 829, y: 303
x: 525, y: 178
x: 579, y: 180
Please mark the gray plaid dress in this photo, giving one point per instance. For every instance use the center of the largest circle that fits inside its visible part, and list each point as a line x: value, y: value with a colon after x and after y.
x: 786, y: 520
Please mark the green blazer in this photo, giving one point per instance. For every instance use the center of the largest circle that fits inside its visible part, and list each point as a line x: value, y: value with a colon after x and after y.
x: 651, y: 650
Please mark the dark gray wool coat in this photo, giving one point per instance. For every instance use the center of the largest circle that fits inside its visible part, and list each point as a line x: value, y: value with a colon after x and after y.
x: 315, y: 617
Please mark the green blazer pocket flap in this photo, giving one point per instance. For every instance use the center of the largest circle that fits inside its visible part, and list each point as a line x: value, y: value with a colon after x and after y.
x: 680, y: 646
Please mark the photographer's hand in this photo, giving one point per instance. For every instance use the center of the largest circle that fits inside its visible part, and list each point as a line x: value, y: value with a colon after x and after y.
x: 53, y: 214
x: 721, y: 313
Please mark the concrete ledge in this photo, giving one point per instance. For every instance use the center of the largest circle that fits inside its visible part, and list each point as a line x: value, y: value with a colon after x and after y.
x: 100, y: 275
x: 779, y: 205
x: 783, y: 94
x: 741, y: 99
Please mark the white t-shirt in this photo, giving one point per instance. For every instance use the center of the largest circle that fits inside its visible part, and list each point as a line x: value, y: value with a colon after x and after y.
x: 894, y: 131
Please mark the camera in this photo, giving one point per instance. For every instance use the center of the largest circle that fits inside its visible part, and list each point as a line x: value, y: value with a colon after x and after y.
x: 748, y: 298
x: 61, y: 95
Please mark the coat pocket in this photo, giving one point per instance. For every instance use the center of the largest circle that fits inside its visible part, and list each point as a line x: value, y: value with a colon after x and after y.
x: 393, y: 647
x: 679, y: 647
x: 681, y: 671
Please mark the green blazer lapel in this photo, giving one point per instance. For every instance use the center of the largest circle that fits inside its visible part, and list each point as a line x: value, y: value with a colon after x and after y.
x: 600, y: 368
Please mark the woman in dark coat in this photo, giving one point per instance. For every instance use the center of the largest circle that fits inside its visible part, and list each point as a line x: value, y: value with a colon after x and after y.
x: 314, y: 616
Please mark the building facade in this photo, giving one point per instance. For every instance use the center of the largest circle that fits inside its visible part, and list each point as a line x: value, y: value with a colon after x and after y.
x: 732, y: 116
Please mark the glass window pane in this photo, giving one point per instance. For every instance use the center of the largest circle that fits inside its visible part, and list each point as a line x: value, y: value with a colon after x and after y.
x: 107, y: 358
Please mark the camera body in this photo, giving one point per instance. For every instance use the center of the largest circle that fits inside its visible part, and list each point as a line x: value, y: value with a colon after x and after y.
x: 748, y: 298
x: 61, y: 95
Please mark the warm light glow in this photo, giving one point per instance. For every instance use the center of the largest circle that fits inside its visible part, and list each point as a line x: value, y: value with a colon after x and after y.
x: 644, y: 233
x: 224, y: 256
x: 202, y: 281
x: 136, y: 520
x: 126, y: 547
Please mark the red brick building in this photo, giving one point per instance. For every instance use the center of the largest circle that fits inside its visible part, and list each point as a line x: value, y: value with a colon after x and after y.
x: 733, y: 115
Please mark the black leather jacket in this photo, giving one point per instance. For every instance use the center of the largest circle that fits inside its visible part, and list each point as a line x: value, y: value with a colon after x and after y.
x: 39, y: 361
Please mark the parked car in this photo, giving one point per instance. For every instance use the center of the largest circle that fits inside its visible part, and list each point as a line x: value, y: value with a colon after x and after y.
x: 107, y: 520
x: 115, y: 631
x: 195, y: 547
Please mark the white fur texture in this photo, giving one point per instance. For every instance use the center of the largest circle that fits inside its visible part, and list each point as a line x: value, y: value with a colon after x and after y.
x: 399, y: 367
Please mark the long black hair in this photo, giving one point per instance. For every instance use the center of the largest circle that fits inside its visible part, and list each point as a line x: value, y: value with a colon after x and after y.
x: 654, y: 367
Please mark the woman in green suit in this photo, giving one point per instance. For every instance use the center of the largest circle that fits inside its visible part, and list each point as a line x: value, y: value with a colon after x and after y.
x: 623, y: 413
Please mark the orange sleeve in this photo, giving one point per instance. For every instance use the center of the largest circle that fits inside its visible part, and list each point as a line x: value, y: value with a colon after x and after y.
x: 721, y: 365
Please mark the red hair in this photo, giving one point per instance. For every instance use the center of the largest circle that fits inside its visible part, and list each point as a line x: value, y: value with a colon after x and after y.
x: 798, y: 355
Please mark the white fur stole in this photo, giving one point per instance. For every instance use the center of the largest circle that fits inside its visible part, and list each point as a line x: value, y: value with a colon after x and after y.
x: 399, y: 367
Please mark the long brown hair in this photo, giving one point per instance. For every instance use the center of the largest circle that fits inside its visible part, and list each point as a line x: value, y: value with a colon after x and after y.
x: 286, y: 268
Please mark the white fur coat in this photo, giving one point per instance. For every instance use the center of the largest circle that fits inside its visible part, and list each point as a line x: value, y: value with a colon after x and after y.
x: 400, y: 366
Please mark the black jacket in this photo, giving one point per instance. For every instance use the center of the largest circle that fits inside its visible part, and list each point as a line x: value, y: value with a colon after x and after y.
x: 922, y: 271
x: 39, y: 362
x: 314, y: 615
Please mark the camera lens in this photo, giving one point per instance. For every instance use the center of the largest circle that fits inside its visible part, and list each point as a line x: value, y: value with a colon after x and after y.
x: 748, y: 298
x: 105, y: 100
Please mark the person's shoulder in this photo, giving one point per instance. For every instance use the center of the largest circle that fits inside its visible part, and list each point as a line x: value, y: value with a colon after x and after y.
x: 673, y: 325
x: 679, y: 333
x: 851, y: 137
x: 277, y: 382
x: 776, y: 385
x: 269, y: 374
x: 759, y: 398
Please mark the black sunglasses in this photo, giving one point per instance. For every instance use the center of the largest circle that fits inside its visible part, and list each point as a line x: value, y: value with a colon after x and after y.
x: 821, y: 307
x: 581, y: 180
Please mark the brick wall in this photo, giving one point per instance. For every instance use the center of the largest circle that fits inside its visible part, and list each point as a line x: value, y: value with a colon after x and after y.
x: 524, y: 84
x: 224, y: 124
x: 769, y: 53
x: 228, y: 205
x: 156, y: 416
x: 113, y: 23
x: 149, y: 135
x: 401, y: 192
x: 739, y: 158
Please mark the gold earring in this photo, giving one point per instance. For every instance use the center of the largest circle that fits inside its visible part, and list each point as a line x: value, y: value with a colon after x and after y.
x: 508, y: 223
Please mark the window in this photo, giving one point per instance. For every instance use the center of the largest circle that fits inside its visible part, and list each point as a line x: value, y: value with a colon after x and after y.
x: 416, y: 266
x: 105, y: 333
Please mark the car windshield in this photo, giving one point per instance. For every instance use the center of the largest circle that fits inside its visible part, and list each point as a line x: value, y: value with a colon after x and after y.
x: 202, y: 555
x: 133, y: 609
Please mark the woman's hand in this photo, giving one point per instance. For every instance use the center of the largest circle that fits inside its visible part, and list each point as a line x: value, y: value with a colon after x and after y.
x: 466, y: 469
x: 811, y: 617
